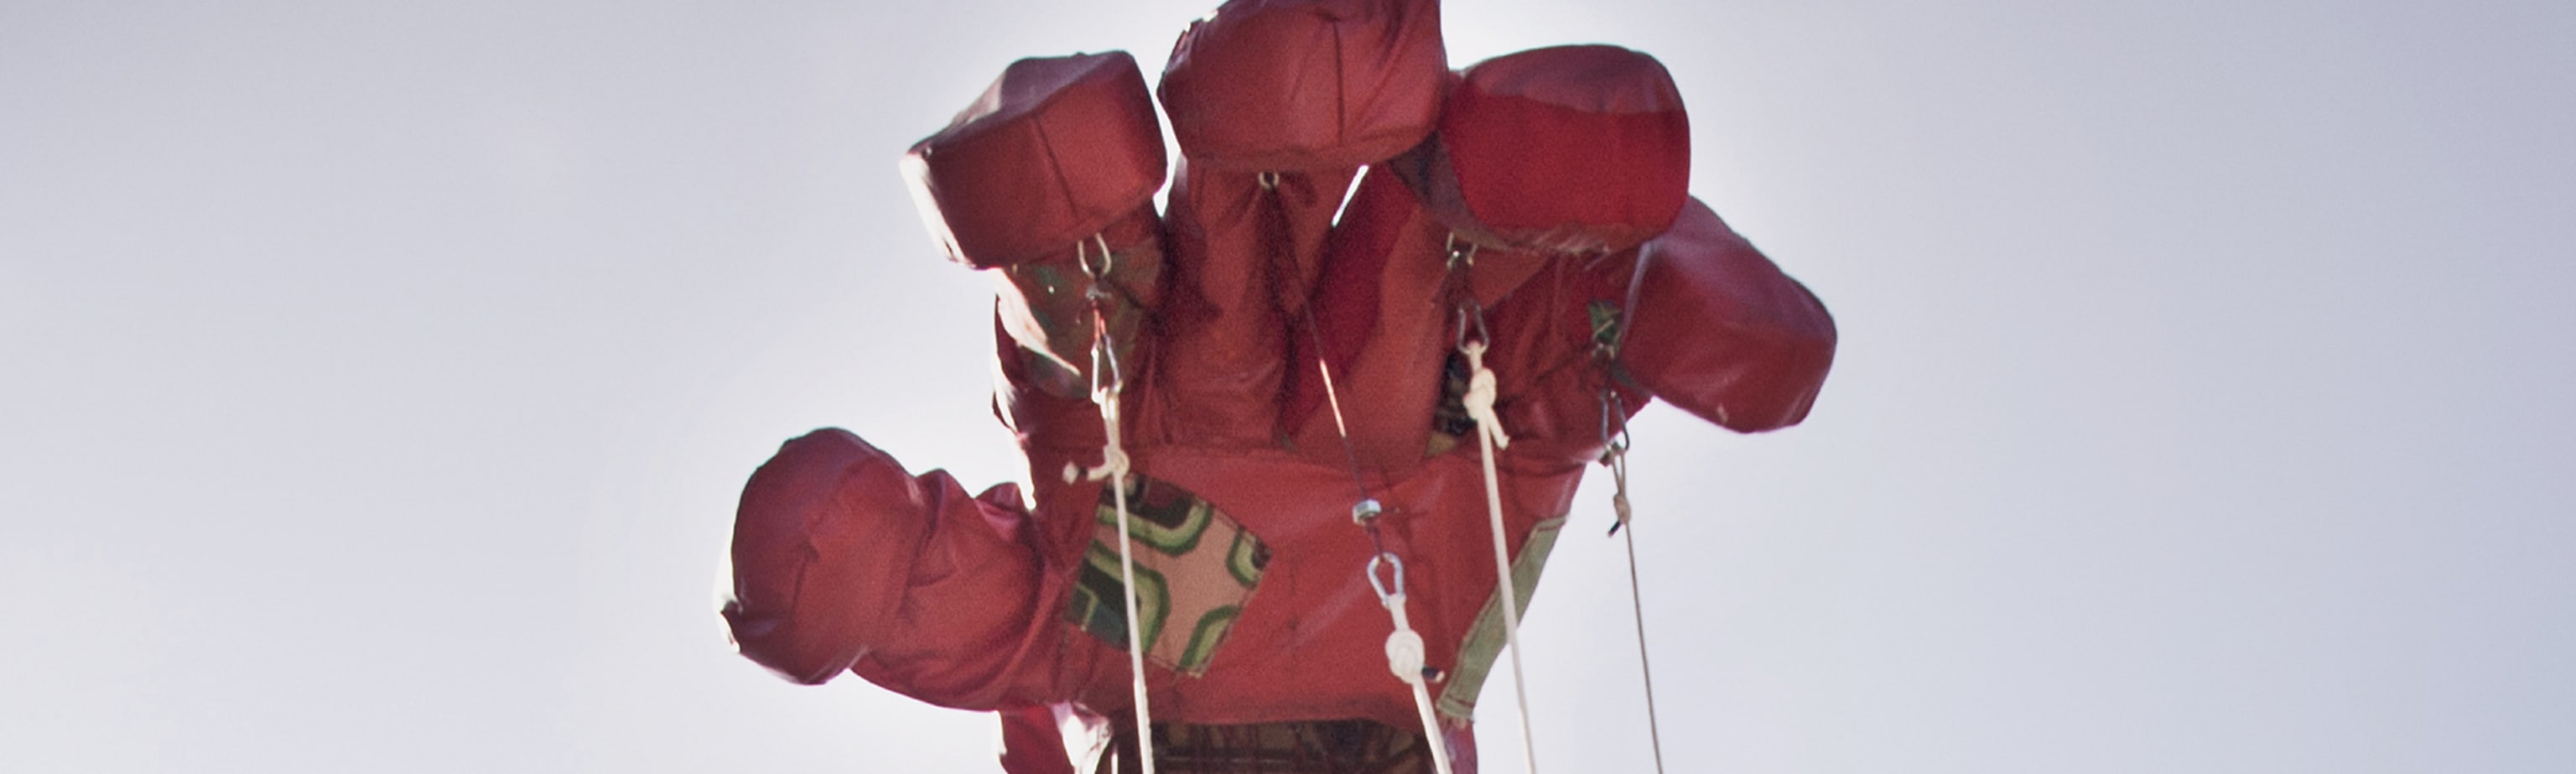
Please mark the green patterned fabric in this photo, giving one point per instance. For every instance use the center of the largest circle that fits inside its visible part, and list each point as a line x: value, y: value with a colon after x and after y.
x: 1194, y: 567
x: 1099, y: 605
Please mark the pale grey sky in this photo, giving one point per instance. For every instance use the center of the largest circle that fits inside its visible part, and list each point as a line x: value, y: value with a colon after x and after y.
x: 375, y: 382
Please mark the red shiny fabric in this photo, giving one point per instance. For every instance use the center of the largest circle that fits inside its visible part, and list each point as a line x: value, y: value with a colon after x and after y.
x: 1227, y: 310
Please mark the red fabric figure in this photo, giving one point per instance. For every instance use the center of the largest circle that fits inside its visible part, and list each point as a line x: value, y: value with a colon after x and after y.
x: 1281, y: 356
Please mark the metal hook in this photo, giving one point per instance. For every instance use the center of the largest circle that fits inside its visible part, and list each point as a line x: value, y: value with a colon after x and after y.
x: 1613, y: 441
x: 1386, y: 558
x: 1469, y: 310
x: 1459, y: 255
x: 1081, y: 256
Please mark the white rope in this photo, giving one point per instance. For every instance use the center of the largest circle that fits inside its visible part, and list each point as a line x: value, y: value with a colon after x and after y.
x: 1404, y: 649
x: 1489, y: 433
x: 1113, y: 467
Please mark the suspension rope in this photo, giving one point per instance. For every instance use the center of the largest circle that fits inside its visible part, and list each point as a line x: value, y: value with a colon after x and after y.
x: 1615, y: 455
x: 1490, y: 436
x: 1405, y: 652
x: 1107, y: 381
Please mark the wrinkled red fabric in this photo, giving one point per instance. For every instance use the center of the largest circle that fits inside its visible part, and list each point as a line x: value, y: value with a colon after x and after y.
x: 1245, y: 258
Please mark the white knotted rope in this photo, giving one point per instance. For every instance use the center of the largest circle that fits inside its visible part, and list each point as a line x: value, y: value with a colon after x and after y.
x: 1404, y: 649
x: 1405, y: 652
x: 1489, y: 434
x: 1106, y: 382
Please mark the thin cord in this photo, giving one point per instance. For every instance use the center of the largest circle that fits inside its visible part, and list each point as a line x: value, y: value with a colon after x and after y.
x: 1636, y: 601
x: 1615, y: 455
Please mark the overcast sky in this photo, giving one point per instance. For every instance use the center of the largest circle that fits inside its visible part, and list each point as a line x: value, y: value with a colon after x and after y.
x: 376, y: 383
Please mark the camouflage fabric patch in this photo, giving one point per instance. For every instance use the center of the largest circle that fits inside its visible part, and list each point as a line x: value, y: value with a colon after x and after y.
x: 1194, y: 567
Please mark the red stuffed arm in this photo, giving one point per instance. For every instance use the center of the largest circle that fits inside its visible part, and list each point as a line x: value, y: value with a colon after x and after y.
x: 1719, y: 331
x: 843, y: 560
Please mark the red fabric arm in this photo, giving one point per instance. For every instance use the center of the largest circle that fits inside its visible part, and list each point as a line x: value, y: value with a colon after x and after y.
x: 1716, y: 329
x: 845, y: 561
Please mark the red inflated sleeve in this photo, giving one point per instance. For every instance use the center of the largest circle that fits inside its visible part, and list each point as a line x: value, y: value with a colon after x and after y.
x: 1054, y: 151
x: 1573, y: 149
x: 842, y: 560
x: 1716, y: 329
x: 1278, y: 85
x: 1244, y: 260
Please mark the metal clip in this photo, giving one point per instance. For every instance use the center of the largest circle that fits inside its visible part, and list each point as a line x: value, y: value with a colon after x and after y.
x: 1392, y: 598
x: 1461, y: 254
x: 1082, y: 256
x: 1470, y: 311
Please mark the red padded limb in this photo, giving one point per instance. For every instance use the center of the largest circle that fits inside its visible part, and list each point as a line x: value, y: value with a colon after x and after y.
x: 1573, y: 149
x: 1244, y: 260
x: 822, y: 545
x: 1054, y: 151
x: 1717, y: 330
x: 1276, y: 85
x: 842, y: 560
x: 1381, y: 314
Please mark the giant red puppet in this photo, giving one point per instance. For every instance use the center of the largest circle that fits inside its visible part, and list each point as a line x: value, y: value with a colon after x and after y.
x: 1365, y: 260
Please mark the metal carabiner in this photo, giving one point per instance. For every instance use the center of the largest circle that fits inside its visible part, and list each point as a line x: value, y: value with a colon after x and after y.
x: 1385, y: 596
x: 1471, y: 311
x: 1460, y: 253
x: 1082, y: 257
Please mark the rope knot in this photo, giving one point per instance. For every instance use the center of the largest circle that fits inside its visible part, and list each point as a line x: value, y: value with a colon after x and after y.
x: 1480, y: 396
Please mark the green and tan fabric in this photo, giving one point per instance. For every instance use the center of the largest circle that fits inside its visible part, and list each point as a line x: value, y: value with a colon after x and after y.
x: 1194, y: 569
